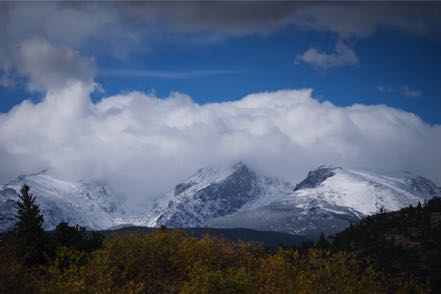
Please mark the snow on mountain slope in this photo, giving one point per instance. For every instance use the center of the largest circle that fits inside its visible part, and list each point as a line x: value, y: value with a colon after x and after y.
x: 307, y: 219
x: 327, y: 200
x: 91, y: 204
x: 330, y: 198
x: 366, y: 191
x: 214, y: 191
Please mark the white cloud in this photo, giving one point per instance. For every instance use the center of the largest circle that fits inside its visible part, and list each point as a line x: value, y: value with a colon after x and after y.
x: 404, y: 90
x: 386, y: 89
x: 49, y: 66
x: 411, y: 93
x: 144, y: 145
x: 342, y: 55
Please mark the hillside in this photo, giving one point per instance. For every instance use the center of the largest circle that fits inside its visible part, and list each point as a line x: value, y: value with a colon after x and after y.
x: 407, y: 241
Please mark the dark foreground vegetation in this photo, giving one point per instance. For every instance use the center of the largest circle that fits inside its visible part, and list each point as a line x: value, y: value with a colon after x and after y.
x: 71, y: 260
x: 266, y: 238
x: 407, y: 241
x: 168, y: 261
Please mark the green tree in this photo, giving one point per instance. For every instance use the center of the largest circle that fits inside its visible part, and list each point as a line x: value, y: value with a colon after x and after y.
x: 76, y: 237
x: 28, y: 229
x: 322, y: 242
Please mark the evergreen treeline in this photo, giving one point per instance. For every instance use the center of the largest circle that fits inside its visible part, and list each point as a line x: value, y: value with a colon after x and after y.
x: 407, y: 241
x: 71, y: 260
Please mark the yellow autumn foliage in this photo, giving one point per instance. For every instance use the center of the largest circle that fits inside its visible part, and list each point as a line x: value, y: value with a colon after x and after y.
x: 171, y: 262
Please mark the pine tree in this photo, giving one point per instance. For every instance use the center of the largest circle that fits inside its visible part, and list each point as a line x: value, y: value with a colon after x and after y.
x: 419, y: 205
x: 28, y: 229
x: 322, y: 243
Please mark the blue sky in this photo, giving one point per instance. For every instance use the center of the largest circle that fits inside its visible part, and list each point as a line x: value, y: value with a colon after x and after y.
x: 396, y: 67
x: 266, y: 63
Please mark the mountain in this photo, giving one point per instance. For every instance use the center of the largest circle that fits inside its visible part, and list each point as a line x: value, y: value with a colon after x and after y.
x: 330, y: 198
x: 218, y: 191
x: 91, y: 204
x: 366, y: 191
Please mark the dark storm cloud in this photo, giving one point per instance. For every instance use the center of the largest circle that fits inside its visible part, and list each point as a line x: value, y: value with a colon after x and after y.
x: 345, y: 19
x: 77, y: 22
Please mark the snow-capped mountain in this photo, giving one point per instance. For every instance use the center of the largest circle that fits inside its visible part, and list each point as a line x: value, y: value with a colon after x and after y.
x: 91, y: 204
x: 214, y: 191
x: 366, y: 191
x: 330, y: 198
x: 327, y: 200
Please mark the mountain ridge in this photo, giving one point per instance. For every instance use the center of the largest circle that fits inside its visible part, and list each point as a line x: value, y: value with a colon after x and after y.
x: 328, y: 199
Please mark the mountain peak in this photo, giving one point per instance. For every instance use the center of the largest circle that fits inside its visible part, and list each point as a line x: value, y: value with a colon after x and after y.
x: 239, y: 165
x: 317, y: 176
x: 328, y: 167
x: 217, y: 191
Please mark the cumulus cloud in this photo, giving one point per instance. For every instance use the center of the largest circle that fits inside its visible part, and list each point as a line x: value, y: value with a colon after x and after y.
x: 49, y: 66
x: 144, y: 145
x: 342, y: 55
x: 41, y: 41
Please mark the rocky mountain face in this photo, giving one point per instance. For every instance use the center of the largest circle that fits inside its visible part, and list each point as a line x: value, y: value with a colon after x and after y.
x: 316, y: 177
x: 214, y: 192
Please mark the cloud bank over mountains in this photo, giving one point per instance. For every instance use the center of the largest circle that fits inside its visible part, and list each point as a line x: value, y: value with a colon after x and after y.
x: 143, y: 144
